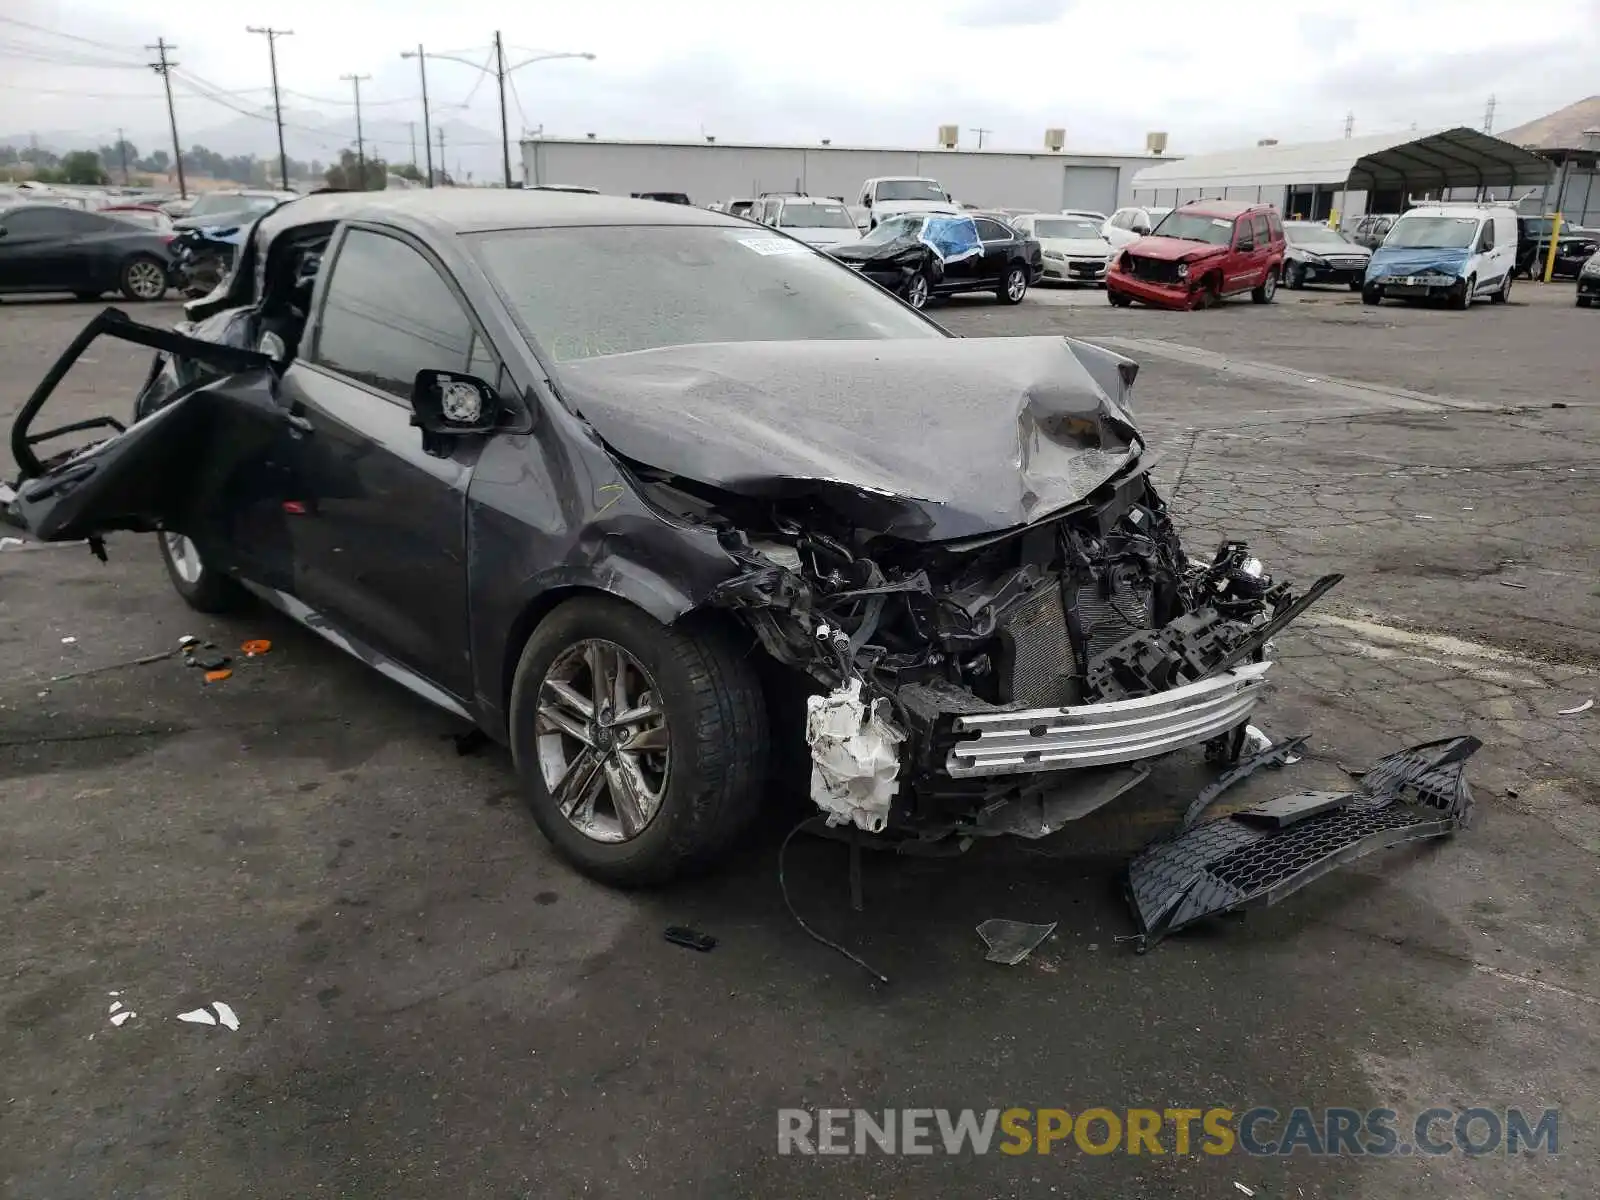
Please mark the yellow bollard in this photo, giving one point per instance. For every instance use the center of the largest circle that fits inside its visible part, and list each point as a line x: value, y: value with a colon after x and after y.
x: 1550, y: 258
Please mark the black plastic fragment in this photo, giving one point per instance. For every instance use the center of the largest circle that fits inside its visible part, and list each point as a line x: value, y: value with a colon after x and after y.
x: 1240, y: 862
x: 682, y: 935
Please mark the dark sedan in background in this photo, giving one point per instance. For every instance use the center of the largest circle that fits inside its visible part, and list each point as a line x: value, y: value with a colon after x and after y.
x: 1318, y: 254
x: 896, y: 256
x: 48, y: 248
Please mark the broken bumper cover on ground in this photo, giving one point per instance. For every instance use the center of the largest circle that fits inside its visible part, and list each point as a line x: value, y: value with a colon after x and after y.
x: 1093, y: 735
x: 1259, y: 855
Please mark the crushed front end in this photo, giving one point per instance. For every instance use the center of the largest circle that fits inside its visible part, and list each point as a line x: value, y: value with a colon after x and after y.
x: 1029, y: 676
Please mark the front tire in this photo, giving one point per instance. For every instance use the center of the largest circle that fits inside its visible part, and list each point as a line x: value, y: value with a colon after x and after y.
x: 1014, y: 286
x: 1371, y: 295
x: 1118, y: 299
x: 143, y: 277
x: 640, y: 747
x: 1294, y: 276
x: 1463, y: 299
x: 200, y: 587
x: 1355, y: 285
x: 1585, y: 301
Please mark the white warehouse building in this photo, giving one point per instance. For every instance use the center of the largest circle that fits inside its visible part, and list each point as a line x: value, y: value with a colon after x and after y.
x: 708, y: 171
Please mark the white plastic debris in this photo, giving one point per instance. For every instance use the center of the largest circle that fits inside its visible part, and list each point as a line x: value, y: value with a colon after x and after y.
x: 1242, y: 1188
x: 1255, y: 741
x: 1572, y: 712
x: 118, y: 1018
x: 198, y: 1016
x: 68, y: 641
x: 7, y: 542
x: 115, y: 1004
x: 225, y: 1014
x: 855, y: 757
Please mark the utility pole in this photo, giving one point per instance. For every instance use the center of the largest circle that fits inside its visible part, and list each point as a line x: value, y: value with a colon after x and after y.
x: 427, y: 144
x: 1349, y: 123
x: 122, y: 152
x: 163, y: 67
x: 1488, y: 116
x: 981, y: 134
x: 412, y: 125
x: 500, y: 77
x: 361, y: 147
x: 272, y: 35
x: 444, y: 170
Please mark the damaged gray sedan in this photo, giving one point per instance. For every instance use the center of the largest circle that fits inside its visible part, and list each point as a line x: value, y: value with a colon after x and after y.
x: 677, y: 508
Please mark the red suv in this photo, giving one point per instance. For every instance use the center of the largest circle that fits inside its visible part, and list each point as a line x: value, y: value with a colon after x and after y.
x: 1199, y: 253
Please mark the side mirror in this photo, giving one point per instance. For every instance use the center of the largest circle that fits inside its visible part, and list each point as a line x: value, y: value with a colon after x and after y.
x: 2, y: 231
x: 449, y: 404
x: 866, y: 202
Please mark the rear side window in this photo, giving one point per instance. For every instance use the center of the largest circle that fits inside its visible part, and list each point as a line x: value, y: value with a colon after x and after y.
x: 37, y: 222
x: 1276, y: 226
x: 389, y: 314
x: 992, y: 231
x: 1263, y: 230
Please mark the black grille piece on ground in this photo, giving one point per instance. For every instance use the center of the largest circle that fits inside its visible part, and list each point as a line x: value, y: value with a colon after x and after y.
x: 1152, y: 270
x: 1259, y: 855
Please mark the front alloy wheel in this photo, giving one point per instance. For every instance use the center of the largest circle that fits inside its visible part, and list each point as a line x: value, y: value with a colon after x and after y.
x: 917, y: 291
x: 201, y: 587
x: 641, y: 747
x: 144, y: 279
x: 604, y: 751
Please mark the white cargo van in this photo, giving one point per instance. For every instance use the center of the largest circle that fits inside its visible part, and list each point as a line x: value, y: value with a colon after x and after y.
x: 1455, y: 252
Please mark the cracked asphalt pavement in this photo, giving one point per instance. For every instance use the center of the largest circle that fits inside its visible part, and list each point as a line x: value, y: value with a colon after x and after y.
x: 429, y: 1002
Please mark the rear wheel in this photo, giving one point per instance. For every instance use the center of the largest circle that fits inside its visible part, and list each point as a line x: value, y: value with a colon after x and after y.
x: 640, y: 747
x: 1504, y: 293
x: 202, y: 588
x: 1268, y: 288
x: 917, y: 291
x: 1013, y: 286
x: 143, y: 277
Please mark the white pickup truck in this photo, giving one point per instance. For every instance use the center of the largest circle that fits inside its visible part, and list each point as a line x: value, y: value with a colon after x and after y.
x: 890, y: 195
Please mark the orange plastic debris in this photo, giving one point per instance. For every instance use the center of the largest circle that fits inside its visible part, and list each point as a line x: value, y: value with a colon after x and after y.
x: 217, y: 676
x: 256, y: 646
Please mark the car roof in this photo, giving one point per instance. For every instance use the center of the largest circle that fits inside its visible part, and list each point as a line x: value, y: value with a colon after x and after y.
x: 1223, y: 208
x: 474, y: 210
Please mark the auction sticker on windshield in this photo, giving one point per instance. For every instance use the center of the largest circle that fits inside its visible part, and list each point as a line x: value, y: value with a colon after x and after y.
x: 774, y: 245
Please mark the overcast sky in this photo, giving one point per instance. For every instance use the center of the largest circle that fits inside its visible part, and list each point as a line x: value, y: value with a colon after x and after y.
x: 877, y: 72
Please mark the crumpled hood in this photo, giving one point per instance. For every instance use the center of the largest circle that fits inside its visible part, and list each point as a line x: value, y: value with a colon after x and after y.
x: 1400, y: 260
x: 1173, y: 249
x: 926, y: 439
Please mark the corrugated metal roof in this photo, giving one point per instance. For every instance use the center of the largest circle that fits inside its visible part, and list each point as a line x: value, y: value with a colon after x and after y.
x: 1068, y: 153
x: 1447, y: 158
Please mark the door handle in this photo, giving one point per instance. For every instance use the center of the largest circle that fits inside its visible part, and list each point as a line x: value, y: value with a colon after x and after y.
x: 298, y: 423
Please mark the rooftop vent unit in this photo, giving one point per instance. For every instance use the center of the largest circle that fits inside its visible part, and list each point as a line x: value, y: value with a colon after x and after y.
x: 1054, y: 139
x: 1266, y: 141
x: 949, y: 136
x: 1155, y: 143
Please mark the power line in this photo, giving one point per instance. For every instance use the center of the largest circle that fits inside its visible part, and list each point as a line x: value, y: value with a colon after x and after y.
x: 71, y: 37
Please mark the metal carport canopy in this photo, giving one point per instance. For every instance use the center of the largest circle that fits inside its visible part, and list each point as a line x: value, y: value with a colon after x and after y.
x: 1450, y: 158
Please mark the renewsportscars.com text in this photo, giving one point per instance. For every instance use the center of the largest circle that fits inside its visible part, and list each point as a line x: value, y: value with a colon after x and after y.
x: 1377, y: 1132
